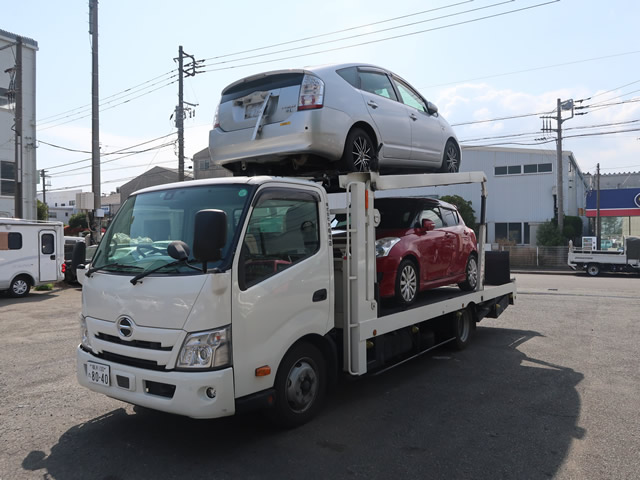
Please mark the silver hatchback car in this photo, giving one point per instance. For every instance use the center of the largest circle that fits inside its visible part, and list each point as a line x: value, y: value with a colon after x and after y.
x: 336, y: 118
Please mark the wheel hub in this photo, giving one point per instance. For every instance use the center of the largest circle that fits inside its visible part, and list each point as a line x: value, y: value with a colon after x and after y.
x: 302, y: 386
x: 362, y: 155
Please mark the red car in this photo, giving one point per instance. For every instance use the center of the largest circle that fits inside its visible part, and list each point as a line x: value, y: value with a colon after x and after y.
x: 422, y: 243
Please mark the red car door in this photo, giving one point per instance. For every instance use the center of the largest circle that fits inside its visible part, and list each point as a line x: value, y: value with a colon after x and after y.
x: 454, y: 232
x: 433, y: 248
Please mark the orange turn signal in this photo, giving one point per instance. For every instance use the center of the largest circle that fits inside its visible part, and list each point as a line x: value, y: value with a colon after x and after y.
x: 263, y: 371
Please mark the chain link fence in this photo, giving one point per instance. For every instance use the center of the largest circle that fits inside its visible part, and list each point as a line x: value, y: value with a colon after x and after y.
x: 522, y: 256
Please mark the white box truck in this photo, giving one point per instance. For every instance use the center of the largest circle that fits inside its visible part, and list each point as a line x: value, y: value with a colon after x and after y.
x: 31, y: 253
x: 595, y: 261
x: 179, y: 313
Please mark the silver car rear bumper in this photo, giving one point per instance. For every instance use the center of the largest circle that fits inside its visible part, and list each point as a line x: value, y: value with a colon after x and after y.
x: 319, y: 132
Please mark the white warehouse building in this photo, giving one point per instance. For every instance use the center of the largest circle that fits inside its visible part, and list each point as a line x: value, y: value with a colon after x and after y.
x: 521, y: 185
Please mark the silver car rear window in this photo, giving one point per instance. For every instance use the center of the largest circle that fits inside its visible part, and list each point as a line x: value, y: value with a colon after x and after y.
x: 269, y: 82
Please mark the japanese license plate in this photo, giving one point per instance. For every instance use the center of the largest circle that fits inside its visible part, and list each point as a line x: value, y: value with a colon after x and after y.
x: 252, y: 110
x: 98, y: 373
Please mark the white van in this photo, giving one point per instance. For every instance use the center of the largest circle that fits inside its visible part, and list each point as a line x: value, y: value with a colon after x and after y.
x: 31, y: 253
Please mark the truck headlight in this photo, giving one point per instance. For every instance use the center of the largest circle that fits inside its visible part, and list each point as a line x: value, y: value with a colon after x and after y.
x: 210, y: 349
x: 384, y: 245
x: 84, y: 333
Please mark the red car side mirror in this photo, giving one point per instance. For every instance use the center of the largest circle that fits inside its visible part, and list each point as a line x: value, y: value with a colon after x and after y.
x: 428, y: 225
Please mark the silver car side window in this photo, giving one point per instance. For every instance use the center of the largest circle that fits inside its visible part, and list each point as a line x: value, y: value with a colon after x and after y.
x: 378, y: 84
x: 410, y: 97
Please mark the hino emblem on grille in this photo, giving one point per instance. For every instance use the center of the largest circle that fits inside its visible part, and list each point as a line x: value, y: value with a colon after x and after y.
x: 125, y: 327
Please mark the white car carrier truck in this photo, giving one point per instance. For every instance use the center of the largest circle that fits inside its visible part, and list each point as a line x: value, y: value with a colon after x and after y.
x: 31, y: 254
x: 595, y: 261
x: 210, y: 297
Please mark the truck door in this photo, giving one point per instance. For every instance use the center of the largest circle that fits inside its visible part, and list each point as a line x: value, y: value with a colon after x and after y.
x: 48, y: 264
x: 281, y: 286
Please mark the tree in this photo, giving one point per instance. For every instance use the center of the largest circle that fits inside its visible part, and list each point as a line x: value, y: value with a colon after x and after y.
x: 78, y: 220
x: 465, y: 208
x: 549, y: 235
x: 43, y: 211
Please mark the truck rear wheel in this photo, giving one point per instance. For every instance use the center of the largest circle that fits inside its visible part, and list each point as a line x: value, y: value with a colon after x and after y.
x: 593, y: 269
x: 463, y: 327
x: 301, y: 386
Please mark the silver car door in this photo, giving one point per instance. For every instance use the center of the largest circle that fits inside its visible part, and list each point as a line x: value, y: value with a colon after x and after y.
x: 389, y: 115
x: 427, y: 138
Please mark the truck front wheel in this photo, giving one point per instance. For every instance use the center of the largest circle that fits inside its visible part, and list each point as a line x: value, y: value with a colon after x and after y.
x: 20, y: 286
x: 593, y: 269
x: 301, y: 386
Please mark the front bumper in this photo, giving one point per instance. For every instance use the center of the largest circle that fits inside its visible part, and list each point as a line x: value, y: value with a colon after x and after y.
x: 387, y: 268
x: 182, y: 393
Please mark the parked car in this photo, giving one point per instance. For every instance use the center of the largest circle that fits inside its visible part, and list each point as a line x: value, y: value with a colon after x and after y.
x: 69, y: 272
x: 330, y: 118
x: 422, y: 243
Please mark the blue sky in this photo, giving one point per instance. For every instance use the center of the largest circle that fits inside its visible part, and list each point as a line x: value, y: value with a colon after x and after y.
x: 510, y: 64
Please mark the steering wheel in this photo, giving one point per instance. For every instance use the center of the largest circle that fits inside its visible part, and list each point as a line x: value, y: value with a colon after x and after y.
x: 151, y: 249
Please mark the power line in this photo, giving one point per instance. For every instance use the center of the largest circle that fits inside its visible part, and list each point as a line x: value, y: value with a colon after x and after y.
x: 122, y: 150
x: 385, y: 39
x: 358, y: 35
x: 337, y: 31
x: 86, y: 107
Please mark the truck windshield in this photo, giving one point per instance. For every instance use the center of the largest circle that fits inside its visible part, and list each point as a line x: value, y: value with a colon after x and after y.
x: 148, y: 222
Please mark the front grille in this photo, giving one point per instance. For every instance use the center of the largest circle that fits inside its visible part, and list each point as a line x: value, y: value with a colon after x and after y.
x: 132, y: 362
x: 132, y: 343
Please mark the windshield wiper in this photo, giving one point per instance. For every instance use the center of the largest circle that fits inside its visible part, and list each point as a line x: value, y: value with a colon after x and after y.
x: 135, y: 279
x: 108, y: 265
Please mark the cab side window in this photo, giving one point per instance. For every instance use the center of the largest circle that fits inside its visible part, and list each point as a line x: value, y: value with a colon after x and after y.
x: 282, y: 231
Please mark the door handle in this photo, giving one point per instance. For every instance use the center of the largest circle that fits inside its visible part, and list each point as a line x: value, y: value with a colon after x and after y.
x: 372, y: 104
x: 52, y: 257
x: 413, y: 117
x: 320, y: 295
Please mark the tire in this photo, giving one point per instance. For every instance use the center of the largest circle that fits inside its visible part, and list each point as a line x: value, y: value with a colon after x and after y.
x: 593, y: 269
x: 359, y: 152
x: 451, y: 158
x: 407, y: 282
x: 471, y: 271
x: 301, y: 386
x: 20, y: 286
x: 463, y: 328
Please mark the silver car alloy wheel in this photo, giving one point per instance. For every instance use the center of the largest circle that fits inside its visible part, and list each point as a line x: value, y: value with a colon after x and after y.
x: 408, y: 283
x: 452, y: 158
x: 302, y: 385
x: 361, y: 154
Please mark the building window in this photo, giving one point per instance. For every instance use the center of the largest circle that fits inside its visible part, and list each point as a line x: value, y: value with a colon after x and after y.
x: 204, y: 164
x: 511, y: 232
x: 544, y: 167
x: 514, y: 170
x: 531, y: 168
x: 72, y: 203
x: 527, y: 234
x: 7, y: 178
x: 500, y: 170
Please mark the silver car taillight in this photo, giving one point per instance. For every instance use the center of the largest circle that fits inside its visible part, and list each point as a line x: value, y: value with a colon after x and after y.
x: 216, y: 120
x: 311, y: 93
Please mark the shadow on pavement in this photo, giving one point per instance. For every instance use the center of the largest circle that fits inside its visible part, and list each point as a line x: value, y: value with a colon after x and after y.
x: 487, y: 412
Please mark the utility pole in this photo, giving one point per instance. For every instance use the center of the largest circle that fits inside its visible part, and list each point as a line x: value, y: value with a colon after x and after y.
x: 598, y: 220
x: 18, y: 213
x: 95, y: 117
x: 546, y: 127
x: 44, y: 186
x: 189, y: 71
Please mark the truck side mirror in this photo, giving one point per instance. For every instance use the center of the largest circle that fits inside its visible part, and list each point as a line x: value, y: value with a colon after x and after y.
x: 428, y: 225
x: 210, y: 235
